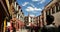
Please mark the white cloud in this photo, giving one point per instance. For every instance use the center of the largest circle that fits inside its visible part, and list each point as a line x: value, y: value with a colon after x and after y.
x: 42, y: 1
x: 34, y: 12
x: 32, y: 15
x: 35, y: 0
x: 33, y: 9
x: 25, y: 3
x: 32, y: 5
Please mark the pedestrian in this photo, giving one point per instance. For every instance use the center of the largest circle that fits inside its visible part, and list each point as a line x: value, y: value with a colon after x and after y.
x: 36, y: 29
x: 31, y: 29
x: 49, y: 27
x: 13, y: 27
x: 7, y: 29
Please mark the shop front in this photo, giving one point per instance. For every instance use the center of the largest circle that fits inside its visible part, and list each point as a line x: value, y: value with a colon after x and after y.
x: 3, y: 14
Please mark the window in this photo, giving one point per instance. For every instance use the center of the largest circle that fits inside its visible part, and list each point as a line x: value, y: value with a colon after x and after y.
x: 18, y: 16
x: 49, y: 12
x: 31, y: 20
x: 53, y: 10
x: 46, y: 13
x: 21, y: 10
x: 10, y: 1
x: 43, y: 21
x: 57, y: 6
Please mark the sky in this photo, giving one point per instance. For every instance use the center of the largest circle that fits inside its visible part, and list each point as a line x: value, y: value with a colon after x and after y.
x: 33, y: 7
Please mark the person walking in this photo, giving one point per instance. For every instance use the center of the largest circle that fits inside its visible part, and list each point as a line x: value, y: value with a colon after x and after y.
x: 13, y: 27
x: 49, y: 27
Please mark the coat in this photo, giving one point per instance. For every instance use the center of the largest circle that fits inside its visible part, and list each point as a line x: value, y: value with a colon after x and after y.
x: 49, y: 28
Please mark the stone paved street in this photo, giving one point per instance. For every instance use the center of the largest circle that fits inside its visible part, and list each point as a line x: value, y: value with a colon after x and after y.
x: 22, y: 30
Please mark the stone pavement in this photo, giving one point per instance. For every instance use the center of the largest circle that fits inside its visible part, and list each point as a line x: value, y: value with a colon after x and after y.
x: 22, y: 30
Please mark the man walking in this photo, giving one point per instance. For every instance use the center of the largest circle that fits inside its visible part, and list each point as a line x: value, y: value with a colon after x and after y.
x: 49, y: 27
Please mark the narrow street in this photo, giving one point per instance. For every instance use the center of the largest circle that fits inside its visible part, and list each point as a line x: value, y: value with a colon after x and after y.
x: 29, y: 15
x: 22, y: 30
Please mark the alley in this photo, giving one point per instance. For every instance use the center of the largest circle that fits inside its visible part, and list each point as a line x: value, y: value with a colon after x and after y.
x: 29, y: 15
x: 22, y: 30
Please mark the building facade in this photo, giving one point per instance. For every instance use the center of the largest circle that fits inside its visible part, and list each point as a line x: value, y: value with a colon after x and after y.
x: 53, y: 8
x: 26, y: 20
x: 39, y: 21
x: 15, y: 12
x: 4, y: 15
x: 29, y: 20
x: 18, y: 11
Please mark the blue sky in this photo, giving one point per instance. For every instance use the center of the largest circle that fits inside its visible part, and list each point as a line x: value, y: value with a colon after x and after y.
x: 34, y: 7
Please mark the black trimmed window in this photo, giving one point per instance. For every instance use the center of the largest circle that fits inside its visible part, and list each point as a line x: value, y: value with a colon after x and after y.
x: 46, y: 13
x: 18, y: 16
x: 49, y: 12
x: 53, y: 10
x: 57, y: 7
